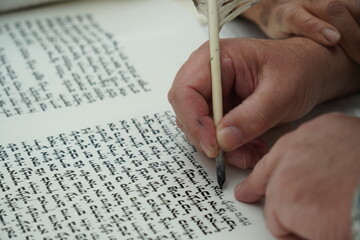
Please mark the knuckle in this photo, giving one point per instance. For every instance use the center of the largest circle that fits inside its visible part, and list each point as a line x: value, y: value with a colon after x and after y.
x: 171, y: 96
x: 292, y: 13
x: 296, y: 17
x: 334, y: 8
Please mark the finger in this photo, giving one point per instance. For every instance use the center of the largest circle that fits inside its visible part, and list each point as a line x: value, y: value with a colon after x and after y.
x: 256, y: 114
x: 337, y: 14
x: 273, y: 222
x: 247, y: 156
x: 188, y: 136
x: 189, y: 97
x: 253, y: 188
x: 278, y: 229
x: 300, y: 22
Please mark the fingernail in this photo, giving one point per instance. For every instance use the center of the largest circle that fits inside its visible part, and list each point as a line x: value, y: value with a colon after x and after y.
x: 230, y: 138
x: 331, y: 35
x: 209, y: 151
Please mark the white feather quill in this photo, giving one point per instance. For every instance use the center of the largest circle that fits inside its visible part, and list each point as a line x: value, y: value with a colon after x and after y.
x: 227, y: 9
x: 219, y: 12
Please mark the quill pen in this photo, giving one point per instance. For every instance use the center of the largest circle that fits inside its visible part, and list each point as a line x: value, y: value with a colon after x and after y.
x: 219, y: 12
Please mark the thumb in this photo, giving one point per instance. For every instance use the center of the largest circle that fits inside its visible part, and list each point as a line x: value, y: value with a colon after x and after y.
x: 259, y: 112
x: 300, y: 22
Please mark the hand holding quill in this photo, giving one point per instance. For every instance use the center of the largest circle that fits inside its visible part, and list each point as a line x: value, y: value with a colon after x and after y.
x: 219, y: 12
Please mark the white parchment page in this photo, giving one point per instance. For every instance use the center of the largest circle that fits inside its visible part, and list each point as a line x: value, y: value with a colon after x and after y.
x: 89, y: 148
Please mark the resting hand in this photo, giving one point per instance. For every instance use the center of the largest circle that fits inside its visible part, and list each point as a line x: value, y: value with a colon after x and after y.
x: 265, y: 82
x: 309, y: 178
x: 327, y: 22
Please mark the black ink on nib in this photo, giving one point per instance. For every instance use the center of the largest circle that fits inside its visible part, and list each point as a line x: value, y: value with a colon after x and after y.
x: 220, y: 169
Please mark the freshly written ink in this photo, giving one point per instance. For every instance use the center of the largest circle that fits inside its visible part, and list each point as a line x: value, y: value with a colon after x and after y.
x: 101, y: 183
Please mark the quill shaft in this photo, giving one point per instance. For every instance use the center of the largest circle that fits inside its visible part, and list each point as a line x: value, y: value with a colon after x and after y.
x: 215, y: 61
x: 214, y: 28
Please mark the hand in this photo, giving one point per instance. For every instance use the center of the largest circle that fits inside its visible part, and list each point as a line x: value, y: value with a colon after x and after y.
x: 327, y: 22
x: 309, y: 178
x: 265, y: 82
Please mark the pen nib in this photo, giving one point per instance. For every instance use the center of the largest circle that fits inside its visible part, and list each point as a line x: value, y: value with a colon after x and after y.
x: 220, y: 169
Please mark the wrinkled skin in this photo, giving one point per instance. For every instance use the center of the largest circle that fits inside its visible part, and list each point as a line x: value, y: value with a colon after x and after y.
x: 265, y: 83
x: 328, y: 22
x: 308, y: 179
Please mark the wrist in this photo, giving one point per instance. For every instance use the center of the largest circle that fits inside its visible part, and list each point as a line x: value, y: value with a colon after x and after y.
x: 327, y: 71
x: 343, y: 74
x: 338, y: 74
